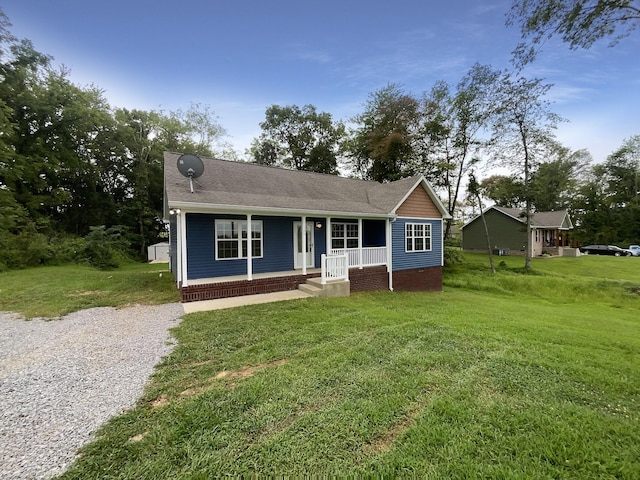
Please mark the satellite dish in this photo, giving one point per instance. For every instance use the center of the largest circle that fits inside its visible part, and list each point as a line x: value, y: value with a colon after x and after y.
x: 190, y: 166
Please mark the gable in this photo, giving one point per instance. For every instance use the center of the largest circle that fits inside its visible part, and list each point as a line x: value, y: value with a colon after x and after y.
x: 418, y: 205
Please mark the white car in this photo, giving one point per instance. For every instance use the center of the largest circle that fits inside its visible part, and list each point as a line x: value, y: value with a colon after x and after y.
x: 635, y: 250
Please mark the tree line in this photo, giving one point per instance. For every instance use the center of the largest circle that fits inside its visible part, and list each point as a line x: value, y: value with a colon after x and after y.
x: 80, y: 180
x: 73, y: 169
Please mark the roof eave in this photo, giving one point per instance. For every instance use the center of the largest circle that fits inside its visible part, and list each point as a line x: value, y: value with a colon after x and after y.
x: 196, y: 207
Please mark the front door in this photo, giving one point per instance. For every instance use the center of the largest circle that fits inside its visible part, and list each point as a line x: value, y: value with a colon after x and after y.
x: 297, y: 245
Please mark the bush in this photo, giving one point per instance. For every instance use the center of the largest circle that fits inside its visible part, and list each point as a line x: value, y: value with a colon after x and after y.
x: 452, y: 256
x: 104, y: 248
x: 22, y: 250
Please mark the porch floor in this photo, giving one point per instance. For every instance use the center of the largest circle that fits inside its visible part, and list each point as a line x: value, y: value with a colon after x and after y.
x: 256, y: 276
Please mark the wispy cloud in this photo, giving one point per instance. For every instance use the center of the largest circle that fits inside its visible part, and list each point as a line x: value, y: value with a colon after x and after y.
x: 306, y: 53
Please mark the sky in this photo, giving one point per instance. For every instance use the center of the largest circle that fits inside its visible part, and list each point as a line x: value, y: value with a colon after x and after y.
x: 241, y: 56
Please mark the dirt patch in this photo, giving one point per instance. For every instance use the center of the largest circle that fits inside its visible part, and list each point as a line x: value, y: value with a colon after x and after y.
x: 160, y: 402
x: 84, y: 293
x: 244, y: 372
x: 137, y: 438
x: 249, y: 371
x: 382, y: 443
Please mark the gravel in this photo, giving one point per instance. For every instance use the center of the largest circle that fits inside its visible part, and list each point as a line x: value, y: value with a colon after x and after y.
x: 61, y: 379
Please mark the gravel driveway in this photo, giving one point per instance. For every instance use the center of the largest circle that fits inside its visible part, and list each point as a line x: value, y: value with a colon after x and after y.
x: 61, y: 379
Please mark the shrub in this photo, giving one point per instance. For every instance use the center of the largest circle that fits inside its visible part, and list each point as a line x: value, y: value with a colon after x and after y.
x: 104, y: 248
x: 452, y: 256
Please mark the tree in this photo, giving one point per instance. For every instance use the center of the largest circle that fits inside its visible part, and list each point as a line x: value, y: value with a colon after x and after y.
x: 383, y: 146
x: 299, y: 138
x: 474, y: 190
x: 555, y: 182
x: 522, y: 129
x: 505, y: 191
x: 580, y: 23
x: 453, y: 125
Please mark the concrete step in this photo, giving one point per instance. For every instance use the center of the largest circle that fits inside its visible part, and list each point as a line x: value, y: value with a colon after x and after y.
x: 317, y: 282
x: 310, y: 289
x: 334, y: 288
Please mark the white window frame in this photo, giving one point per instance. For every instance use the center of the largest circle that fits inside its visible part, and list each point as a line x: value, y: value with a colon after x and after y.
x: 410, y: 234
x: 241, y: 238
x: 345, y: 237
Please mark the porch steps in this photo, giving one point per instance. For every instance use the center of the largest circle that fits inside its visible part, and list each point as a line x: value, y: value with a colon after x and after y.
x: 333, y: 288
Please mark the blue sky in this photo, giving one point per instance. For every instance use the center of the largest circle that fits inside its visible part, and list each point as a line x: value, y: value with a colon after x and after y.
x: 241, y: 56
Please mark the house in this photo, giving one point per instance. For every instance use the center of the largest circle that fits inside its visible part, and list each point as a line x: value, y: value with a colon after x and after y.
x: 508, y: 232
x: 301, y: 225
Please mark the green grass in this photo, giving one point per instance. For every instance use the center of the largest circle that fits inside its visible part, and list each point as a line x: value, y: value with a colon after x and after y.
x: 506, y: 376
x: 54, y: 291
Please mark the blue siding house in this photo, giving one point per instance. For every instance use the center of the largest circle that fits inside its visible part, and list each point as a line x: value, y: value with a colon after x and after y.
x: 245, y: 229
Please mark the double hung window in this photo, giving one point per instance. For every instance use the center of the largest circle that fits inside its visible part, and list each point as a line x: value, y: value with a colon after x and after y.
x: 232, y: 239
x: 344, y: 235
x: 418, y: 237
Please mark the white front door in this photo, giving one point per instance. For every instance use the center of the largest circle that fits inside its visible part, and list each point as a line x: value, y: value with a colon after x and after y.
x: 297, y: 245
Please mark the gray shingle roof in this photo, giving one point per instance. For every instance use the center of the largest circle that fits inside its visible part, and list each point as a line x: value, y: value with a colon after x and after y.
x: 238, y: 184
x: 540, y: 219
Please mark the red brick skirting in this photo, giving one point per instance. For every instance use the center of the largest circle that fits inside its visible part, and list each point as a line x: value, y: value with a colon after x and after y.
x: 211, y: 291
x: 369, y: 279
x: 362, y: 280
x: 418, y: 280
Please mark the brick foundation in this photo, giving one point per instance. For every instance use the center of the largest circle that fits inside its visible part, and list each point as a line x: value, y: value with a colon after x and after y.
x: 238, y: 288
x: 362, y: 280
x: 418, y: 280
x: 369, y: 279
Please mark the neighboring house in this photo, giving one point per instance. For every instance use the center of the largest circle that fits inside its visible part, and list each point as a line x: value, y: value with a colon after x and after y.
x: 390, y: 234
x: 508, y: 232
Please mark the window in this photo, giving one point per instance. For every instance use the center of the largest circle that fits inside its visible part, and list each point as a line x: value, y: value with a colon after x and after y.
x: 344, y: 235
x: 232, y: 236
x: 418, y: 237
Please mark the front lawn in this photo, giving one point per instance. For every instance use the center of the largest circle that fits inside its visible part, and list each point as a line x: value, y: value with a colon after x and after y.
x: 513, y: 376
x: 57, y: 290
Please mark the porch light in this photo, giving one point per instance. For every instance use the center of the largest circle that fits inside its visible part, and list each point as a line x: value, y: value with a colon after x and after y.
x: 318, y: 225
x: 174, y: 211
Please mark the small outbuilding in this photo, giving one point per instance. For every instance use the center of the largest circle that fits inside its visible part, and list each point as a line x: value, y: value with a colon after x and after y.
x: 158, y: 252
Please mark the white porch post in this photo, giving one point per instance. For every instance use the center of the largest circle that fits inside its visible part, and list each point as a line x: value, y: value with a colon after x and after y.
x: 182, y: 218
x: 328, y: 236
x: 389, y: 241
x: 178, y: 250
x: 304, y: 245
x: 360, y: 243
x: 249, y: 253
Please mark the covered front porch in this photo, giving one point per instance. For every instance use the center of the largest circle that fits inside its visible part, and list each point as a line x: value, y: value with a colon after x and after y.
x: 252, y: 247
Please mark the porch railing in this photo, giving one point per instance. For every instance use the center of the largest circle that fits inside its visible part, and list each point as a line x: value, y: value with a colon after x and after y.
x: 371, y: 256
x: 334, y: 267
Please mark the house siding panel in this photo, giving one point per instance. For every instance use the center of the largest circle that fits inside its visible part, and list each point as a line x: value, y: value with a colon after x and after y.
x: 277, y: 247
x: 411, y: 260
x: 418, y: 205
x: 504, y: 232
